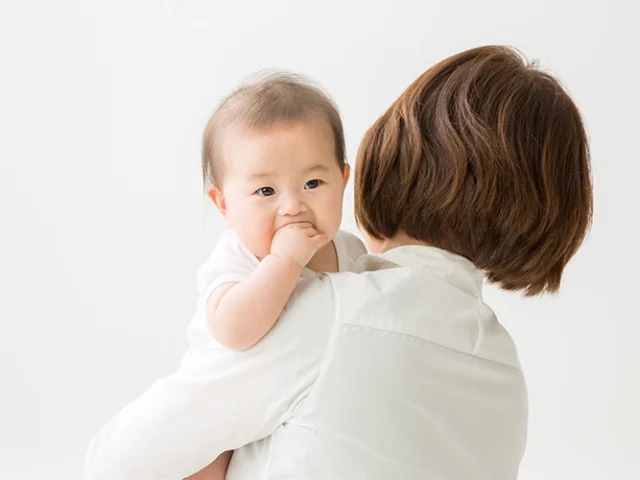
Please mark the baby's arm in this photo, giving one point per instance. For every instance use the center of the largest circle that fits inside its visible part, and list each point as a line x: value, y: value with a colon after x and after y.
x: 240, y: 314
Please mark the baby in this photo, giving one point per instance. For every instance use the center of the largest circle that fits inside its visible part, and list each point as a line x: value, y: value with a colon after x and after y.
x: 274, y: 157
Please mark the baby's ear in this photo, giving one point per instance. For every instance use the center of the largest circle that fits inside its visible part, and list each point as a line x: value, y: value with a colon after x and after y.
x: 347, y: 174
x: 217, y: 198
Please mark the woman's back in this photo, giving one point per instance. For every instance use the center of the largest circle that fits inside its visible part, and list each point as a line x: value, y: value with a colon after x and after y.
x: 419, y: 381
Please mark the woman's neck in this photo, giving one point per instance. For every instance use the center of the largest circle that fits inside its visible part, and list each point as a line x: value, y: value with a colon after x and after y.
x: 325, y: 260
x: 398, y: 240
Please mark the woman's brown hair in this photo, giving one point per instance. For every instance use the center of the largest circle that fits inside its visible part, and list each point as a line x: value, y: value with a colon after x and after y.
x: 487, y: 157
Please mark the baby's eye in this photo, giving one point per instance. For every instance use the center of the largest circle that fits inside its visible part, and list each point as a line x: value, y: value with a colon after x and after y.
x: 265, y: 191
x: 311, y: 184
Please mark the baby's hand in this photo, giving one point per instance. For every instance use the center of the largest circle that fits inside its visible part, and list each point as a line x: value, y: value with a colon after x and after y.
x: 299, y: 241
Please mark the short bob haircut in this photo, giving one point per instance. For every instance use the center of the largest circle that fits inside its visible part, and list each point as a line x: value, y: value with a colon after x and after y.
x: 487, y: 157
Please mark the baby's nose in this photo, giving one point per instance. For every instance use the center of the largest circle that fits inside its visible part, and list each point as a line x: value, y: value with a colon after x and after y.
x: 292, y: 205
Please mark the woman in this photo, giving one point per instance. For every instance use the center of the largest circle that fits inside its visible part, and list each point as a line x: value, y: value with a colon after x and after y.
x: 479, y: 169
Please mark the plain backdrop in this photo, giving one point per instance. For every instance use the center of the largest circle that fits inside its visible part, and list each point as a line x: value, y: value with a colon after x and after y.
x: 103, y: 221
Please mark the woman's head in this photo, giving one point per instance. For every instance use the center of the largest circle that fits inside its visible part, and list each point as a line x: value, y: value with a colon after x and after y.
x: 484, y: 156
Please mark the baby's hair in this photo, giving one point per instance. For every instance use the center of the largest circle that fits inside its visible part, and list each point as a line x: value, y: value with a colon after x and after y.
x: 485, y: 156
x: 264, y: 101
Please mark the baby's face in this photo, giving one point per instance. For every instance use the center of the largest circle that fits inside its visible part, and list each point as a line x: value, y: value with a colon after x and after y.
x: 286, y: 175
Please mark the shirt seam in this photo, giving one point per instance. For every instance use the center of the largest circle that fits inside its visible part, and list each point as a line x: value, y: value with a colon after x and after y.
x: 480, y: 338
x: 431, y: 342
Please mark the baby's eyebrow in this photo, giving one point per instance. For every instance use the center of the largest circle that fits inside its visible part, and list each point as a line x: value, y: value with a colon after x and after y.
x: 318, y: 167
x: 261, y: 175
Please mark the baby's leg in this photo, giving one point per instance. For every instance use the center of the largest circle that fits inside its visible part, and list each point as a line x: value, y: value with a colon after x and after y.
x: 217, y: 470
x: 167, y: 433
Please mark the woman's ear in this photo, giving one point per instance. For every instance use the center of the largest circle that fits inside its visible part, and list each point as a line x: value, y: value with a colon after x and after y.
x: 217, y: 198
x: 347, y: 174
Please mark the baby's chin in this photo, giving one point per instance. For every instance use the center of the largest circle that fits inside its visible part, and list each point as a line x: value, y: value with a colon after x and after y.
x: 261, y: 252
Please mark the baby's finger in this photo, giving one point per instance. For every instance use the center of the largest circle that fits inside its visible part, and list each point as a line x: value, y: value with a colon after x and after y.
x: 310, y: 231
x: 304, y: 228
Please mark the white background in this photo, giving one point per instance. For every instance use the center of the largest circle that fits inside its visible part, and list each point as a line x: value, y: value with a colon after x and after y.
x: 103, y: 222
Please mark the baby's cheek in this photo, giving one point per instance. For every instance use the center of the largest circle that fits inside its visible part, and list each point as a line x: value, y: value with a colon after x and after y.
x: 259, y: 238
x: 265, y: 237
x: 333, y: 216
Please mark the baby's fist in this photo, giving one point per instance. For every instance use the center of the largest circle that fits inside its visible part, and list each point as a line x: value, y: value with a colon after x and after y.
x: 299, y: 241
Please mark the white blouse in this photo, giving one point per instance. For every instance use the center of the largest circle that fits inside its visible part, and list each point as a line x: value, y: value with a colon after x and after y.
x: 398, y: 372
